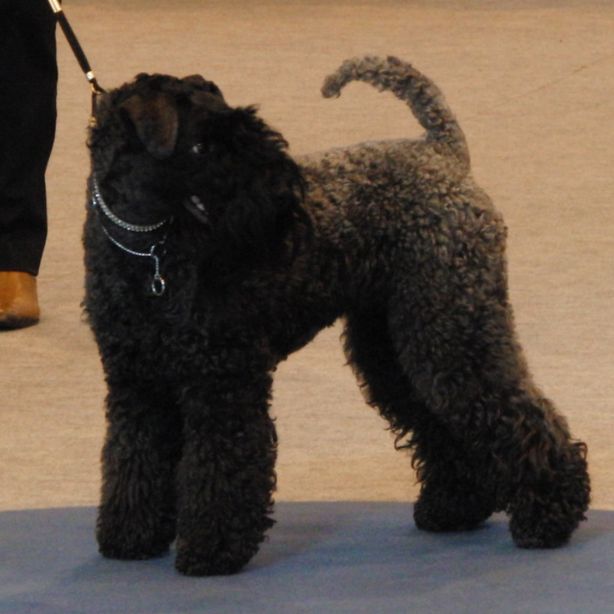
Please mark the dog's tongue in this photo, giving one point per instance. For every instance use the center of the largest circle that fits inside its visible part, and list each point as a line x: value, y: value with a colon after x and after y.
x: 196, y: 207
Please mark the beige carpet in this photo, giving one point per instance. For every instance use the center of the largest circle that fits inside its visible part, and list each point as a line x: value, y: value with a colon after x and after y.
x: 532, y: 83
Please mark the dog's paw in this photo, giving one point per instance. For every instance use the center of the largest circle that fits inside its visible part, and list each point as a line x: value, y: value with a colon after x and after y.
x: 133, y: 551
x: 194, y: 563
x: 545, y: 514
x: 440, y: 511
x: 436, y: 522
x: 191, y: 564
x: 132, y: 541
x: 542, y: 525
x: 532, y: 539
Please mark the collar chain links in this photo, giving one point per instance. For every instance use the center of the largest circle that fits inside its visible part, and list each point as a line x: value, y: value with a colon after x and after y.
x: 99, y: 201
x: 158, y: 283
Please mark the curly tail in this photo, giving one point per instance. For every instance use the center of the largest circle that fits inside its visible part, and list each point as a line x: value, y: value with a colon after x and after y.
x: 421, y: 95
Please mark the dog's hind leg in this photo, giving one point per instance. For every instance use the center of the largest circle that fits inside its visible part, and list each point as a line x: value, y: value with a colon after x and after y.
x: 453, y: 332
x: 136, y: 517
x: 454, y: 495
x: 226, y: 474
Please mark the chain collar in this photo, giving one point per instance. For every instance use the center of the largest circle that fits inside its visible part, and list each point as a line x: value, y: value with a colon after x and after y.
x: 158, y: 283
x: 99, y: 201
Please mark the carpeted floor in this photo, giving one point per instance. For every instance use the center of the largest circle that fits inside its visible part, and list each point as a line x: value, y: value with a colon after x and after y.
x: 321, y: 558
x: 532, y: 83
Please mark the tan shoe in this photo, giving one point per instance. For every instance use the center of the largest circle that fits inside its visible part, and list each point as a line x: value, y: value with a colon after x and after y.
x: 18, y: 300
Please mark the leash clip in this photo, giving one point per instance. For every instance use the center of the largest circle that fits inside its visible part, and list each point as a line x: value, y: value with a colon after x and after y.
x: 158, y: 284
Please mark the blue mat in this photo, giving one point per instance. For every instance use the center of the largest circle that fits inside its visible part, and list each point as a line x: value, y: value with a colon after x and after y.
x: 321, y: 557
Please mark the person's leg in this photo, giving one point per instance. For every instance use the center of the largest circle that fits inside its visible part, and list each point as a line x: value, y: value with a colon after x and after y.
x: 28, y: 73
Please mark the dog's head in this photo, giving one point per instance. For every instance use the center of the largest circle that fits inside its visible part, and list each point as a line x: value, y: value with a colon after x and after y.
x: 163, y: 146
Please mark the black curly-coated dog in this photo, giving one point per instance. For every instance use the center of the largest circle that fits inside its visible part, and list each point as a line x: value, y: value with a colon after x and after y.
x: 211, y: 255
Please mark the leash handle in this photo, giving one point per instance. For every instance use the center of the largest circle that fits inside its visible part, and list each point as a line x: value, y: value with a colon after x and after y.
x: 75, y: 46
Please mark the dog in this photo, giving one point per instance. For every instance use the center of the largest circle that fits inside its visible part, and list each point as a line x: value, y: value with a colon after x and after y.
x: 211, y: 255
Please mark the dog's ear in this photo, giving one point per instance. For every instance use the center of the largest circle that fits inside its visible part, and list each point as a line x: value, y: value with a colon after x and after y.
x: 209, y: 100
x: 156, y: 121
x: 202, y: 84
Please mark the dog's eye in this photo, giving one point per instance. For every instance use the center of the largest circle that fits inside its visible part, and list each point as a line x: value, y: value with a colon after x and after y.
x: 198, y: 149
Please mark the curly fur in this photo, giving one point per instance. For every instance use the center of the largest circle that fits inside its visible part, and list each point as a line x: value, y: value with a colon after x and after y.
x: 262, y: 253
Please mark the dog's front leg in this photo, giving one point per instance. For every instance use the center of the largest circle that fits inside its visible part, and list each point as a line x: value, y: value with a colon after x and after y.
x: 226, y: 475
x: 136, y: 517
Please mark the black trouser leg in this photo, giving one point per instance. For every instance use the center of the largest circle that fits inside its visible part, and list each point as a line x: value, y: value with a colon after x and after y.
x: 28, y: 84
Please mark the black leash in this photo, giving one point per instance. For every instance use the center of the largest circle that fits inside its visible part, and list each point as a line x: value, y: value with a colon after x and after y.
x: 158, y: 284
x: 73, y: 41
